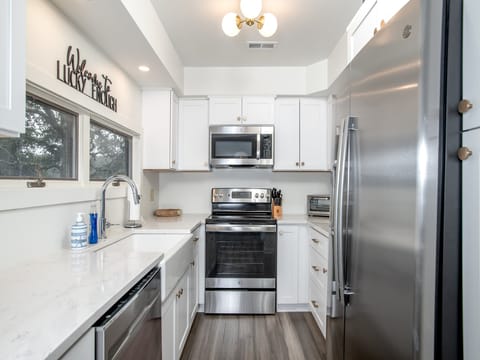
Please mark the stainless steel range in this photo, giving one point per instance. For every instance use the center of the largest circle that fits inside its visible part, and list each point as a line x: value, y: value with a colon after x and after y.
x: 241, y: 253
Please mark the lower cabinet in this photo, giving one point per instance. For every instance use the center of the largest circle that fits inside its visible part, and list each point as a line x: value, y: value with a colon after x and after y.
x: 318, y: 276
x: 292, y: 272
x: 179, y: 309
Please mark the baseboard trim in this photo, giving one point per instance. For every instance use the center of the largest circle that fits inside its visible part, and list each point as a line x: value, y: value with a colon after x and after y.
x: 293, y: 307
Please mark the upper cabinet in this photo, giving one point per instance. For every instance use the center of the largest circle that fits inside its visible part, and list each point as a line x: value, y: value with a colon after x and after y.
x: 193, y: 135
x: 160, y: 130
x: 236, y: 110
x: 12, y: 67
x: 302, y: 135
x: 370, y: 18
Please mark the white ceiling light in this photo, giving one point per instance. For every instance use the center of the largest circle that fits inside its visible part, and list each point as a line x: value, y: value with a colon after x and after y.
x: 266, y: 24
x: 144, y: 68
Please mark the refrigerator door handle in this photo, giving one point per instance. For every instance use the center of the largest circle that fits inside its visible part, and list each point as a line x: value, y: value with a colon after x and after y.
x: 339, y: 209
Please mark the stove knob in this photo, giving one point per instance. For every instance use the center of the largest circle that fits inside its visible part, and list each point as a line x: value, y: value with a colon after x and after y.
x: 256, y: 195
x: 262, y: 196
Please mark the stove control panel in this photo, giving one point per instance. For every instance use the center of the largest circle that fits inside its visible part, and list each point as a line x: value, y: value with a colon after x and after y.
x: 241, y: 195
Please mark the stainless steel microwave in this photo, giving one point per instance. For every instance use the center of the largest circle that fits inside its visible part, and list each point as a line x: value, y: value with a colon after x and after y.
x: 318, y: 205
x: 241, y: 146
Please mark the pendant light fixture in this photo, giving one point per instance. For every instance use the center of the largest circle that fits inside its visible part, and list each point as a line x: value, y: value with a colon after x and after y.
x: 232, y: 23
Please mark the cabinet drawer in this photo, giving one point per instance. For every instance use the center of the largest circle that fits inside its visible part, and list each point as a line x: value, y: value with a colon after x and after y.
x: 318, y: 304
x: 318, y: 268
x: 318, y: 241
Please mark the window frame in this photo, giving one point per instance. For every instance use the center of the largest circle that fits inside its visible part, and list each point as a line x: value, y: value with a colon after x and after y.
x: 76, y: 140
x: 127, y: 136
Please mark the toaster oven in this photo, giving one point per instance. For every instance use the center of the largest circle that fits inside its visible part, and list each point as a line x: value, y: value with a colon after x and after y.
x: 318, y: 205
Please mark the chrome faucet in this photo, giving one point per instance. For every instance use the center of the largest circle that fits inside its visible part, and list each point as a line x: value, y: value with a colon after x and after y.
x: 113, y: 178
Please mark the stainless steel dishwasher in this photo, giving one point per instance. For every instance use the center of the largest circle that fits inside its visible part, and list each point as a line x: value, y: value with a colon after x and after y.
x: 132, y: 328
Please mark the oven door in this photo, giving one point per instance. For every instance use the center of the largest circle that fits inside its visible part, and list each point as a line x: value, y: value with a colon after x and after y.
x: 240, y: 256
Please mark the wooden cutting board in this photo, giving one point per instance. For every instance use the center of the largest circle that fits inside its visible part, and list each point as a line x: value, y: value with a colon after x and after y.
x: 167, y: 212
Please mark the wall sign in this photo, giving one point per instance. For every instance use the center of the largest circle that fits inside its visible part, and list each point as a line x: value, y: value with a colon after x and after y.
x: 75, y: 74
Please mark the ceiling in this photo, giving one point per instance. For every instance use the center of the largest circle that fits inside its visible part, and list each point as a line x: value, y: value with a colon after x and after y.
x: 307, y: 32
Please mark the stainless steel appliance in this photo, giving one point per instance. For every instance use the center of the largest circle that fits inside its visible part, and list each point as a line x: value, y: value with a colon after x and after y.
x: 132, y: 328
x: 318, y: 205
x: 385, y: 194
x: 241, y: 146
x: 241, y: 253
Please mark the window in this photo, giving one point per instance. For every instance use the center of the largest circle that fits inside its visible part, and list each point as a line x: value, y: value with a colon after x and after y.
x: 110, y: 152
x: 47, y: 148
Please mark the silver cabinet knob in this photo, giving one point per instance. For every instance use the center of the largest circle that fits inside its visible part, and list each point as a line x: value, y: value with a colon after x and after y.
x: 464, y: 153
x: 464, y: 106
x: 315, y: 304
x: 316, y: 241
x: 302, y: 163
x: 297, y: 164
x: 324, y: 270
x: 316, y: 268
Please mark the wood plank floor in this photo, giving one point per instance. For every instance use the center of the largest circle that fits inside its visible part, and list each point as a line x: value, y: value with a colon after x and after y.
x: 289, y: 336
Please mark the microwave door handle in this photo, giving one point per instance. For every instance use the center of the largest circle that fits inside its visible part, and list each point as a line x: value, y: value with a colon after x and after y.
x: 258, y: 146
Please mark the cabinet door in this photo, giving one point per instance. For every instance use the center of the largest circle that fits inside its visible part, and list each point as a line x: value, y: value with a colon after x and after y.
x: 287, y: 135
x: 168, y: 327
x: 362, y: 27
x: 173, y: 131
x: 287, y: 265
x: 12, y: 67
x: 258, y: 110
x: 471, y: 59
x: 156, y: 121
x: 200, y: 233
x: 193, y: 135
x: 303, y: 249
x: 314, y: 137
x: 225, y: 110
x: 471, y: 245
x: 193, y: 289
x: 181, y: 314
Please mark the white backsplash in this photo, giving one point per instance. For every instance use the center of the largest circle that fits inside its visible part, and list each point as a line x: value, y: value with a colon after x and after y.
x: 191, y: 191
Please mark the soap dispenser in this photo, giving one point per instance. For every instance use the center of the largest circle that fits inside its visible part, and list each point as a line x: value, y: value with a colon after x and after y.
x: 78, y: 234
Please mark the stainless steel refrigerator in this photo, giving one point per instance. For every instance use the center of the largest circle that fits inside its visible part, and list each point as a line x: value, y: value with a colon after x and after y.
x: 387, y: 101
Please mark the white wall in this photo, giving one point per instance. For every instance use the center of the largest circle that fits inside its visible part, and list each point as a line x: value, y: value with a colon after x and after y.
x: 247, y: 80
x: 49, y: 34
x: 191, y: 191
x: 36, y: 222
x: 338, y: 59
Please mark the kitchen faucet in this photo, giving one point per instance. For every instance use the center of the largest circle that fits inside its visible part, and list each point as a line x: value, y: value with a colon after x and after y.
x: 136, y: 199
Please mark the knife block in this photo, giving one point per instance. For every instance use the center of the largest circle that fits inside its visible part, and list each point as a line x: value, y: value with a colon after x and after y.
x: 277, y: 211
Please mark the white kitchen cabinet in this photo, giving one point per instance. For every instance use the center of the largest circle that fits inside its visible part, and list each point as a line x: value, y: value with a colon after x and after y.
x: 160, y: 130
x: 182, y: 316
x: 292, y: 271
x: 83, y: 349
x: 200, y: 234
x: 175, y: 319
x: 236, y: 110
x: 471, y: 244
x: 302, y: 135
x: 369, y: 19
x: 318, y: 276
x: 194, y: 277
x: 193, y: 135
x: 12, y: 67
x: 287, y: 134
x: 287, y: 264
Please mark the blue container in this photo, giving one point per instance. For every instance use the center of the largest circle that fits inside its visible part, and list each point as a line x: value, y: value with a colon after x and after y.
x: 93, y: 237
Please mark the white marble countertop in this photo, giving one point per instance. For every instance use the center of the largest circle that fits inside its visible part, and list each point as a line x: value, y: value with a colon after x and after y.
x: 321, y: 224
x: 47, y: 304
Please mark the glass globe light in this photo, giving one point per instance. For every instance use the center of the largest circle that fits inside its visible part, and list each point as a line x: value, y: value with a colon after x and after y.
x: 229, y: 24
x: 251, y: 8
x: 270, y: 25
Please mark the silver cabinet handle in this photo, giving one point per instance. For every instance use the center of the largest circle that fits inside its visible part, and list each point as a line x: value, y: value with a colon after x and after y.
x: 316, y: 241
x: 316, y: 268
x: 196, y: 238
x: 324, y: 270
x: 315, y: 304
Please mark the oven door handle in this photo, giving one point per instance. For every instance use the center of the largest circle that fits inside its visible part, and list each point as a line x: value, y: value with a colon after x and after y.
x: 240, y: 228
